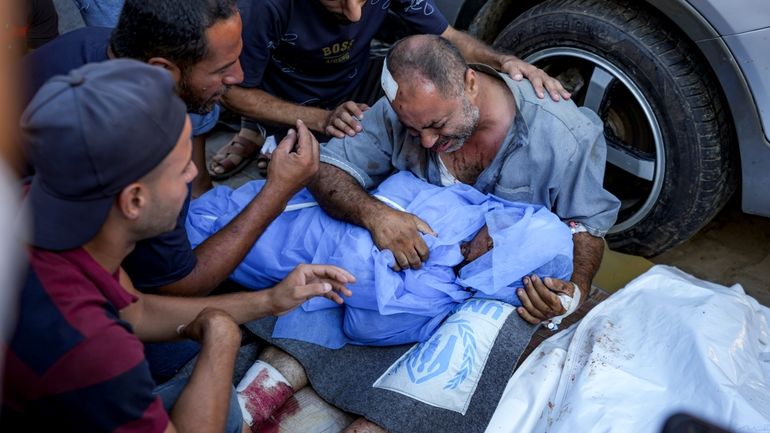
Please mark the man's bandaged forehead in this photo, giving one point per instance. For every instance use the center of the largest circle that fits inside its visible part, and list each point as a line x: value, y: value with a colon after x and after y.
x: 389, y: 85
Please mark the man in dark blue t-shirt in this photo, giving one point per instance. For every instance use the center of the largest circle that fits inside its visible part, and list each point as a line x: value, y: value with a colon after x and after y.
x: 201, y: 51
x: 309, y: 59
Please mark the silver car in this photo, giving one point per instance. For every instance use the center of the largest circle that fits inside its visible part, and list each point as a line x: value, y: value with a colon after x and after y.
x: 683, y: 87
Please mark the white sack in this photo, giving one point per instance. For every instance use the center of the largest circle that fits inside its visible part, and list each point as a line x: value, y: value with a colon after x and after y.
x: 667, y: 342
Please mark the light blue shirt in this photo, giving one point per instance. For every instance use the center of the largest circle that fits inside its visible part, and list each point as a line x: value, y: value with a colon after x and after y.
x: 203, y: 123
x: 553, y: 155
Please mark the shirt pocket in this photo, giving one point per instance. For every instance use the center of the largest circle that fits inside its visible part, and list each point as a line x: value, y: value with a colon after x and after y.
x: 522, y: 193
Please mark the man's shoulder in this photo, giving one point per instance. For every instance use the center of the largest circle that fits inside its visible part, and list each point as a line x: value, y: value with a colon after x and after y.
x: 56, y: 271
x: 561, y: 116
x: 65, y: 53
x: 59, y: 295
x: 72, y: 49
x: 79, y: 38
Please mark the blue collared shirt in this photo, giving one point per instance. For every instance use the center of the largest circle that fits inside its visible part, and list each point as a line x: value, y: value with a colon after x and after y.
x: 553, y: 155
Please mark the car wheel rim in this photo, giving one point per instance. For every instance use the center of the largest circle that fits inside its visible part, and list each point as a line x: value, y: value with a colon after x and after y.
x: 635, y: 150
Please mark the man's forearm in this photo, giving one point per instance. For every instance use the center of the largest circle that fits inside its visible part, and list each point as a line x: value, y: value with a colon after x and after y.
x: 219, y: 255
x: 472, y: 49
x: 203, y: 404
x: 342, y: 197
x: 260, y: 105
x: 587, y: 256
x: 156, y: 318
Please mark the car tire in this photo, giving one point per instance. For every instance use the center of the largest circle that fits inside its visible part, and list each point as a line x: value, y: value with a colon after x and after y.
x: 670, y: 140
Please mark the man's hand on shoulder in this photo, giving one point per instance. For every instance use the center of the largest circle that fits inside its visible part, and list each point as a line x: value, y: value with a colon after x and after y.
x: 541, y: 81
x: 399, y: 232
x: 309, y: 281
x: 294, y: 163
x: 345, y: 119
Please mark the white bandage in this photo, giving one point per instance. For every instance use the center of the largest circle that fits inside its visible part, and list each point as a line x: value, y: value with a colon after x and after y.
x: 389, y: 85
x: 570, y: 303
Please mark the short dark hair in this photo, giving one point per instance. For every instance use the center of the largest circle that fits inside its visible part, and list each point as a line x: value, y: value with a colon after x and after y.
x: 172, y: 29
x: 432, y: 57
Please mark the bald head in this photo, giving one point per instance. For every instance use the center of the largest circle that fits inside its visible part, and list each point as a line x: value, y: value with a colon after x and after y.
x: 430, y: 58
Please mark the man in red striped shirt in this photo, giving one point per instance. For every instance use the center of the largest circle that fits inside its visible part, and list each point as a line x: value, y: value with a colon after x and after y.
x: 112, y: 153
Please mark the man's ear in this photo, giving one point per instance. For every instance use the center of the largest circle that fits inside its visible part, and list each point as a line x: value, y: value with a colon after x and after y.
x: 168, y: 65
x: 132, y: 201
x: 471, y: 84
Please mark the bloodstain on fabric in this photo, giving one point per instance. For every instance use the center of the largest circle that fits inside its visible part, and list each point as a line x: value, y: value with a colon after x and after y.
x: 264, y: 395
x: 273, y: 423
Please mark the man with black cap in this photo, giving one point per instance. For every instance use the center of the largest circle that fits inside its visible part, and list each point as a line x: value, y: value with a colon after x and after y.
x: 198, y: 41
x: 75, y: 362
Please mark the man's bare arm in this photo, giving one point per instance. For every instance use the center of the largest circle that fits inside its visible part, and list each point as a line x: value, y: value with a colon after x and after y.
x: 219, y: 255
x: 203, y: 404
x: 587, y: 256
x: 343, y: 198
x: 260, y: 105
x: 476, y: 51
x: 156, y: 318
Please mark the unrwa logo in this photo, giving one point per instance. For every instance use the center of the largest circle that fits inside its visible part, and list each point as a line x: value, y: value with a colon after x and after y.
x: 483, y: 307
x: 435, y: 357
x: 430, y: 359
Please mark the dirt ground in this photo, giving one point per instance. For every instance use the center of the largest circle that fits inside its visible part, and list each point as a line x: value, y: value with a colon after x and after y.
x: 733, y: 248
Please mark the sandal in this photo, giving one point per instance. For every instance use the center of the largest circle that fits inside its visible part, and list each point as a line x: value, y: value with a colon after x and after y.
x: 240, y: 147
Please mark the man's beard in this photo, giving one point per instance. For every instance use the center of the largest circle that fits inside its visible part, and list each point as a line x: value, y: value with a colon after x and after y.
x: 195, y: 103
x: 470, y: 123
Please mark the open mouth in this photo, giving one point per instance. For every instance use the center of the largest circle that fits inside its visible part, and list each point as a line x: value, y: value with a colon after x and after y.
x: 443, y: 146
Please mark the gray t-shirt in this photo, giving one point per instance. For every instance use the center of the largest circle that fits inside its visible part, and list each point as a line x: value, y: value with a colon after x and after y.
x: 554, y: 155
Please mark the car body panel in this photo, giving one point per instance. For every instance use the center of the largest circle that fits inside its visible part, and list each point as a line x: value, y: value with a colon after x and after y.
x: 752, y: 52
x: 734, y: 16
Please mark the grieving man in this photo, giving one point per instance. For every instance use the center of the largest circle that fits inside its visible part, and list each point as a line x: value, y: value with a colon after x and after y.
x: 450, y: 123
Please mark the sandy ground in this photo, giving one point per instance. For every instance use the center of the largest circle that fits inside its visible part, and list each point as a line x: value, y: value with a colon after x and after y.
x: 733, y: 248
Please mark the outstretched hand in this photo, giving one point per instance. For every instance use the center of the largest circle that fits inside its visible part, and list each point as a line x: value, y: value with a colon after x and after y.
x: 345, y: 119
x: 540, y: 298
x: 541, y: 81
x: 399, y: 232
x: 306, y: 282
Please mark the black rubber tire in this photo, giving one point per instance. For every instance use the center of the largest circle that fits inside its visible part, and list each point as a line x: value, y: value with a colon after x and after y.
x: 700, y: 170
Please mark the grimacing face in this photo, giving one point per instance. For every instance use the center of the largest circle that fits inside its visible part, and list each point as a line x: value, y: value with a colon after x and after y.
x: 443, y: 124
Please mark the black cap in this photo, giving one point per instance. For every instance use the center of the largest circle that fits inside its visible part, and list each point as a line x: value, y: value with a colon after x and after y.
x: 90, y: 134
